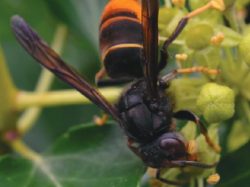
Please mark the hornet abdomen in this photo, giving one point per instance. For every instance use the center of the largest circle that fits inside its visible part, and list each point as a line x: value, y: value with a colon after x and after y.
x: 121, y: 39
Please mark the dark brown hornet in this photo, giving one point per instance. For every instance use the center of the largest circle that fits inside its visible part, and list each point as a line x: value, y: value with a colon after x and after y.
x: 144, y: 111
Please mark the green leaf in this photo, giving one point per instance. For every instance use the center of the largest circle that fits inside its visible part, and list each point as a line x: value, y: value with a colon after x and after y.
x: 80, y: 16
x: 240, y: 131
x: 77, y: 52
x: 37, y: 14
x: 84, y: 156
x: 234, y: 168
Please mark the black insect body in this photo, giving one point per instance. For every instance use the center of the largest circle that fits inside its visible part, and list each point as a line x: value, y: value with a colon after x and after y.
x: 144, y: 111
x: 149, y: 125
x: 157, y: 114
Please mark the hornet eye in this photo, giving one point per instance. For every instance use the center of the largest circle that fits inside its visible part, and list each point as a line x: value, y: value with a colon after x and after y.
x: 173, y: 148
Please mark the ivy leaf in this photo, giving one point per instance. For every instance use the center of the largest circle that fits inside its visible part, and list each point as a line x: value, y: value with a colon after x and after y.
x: 84, y: 156
x: 234, y: 168
x: 82, y: 16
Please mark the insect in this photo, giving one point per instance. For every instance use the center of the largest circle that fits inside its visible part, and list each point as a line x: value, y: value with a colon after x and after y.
x: 144, y: 111
x: 121, y: 41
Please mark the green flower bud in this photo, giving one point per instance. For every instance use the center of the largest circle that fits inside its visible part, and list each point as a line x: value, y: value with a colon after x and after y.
x: 165, y: 17
x: 244, y: 48
x: 189, y: 131
x: 216, y: 102
x: 198, y: 36
x: 210, y: 58
x: 205, y: 153
x: 184, y: 92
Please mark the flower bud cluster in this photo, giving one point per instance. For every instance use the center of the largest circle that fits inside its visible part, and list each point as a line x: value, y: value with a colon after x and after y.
x: 207, y: 42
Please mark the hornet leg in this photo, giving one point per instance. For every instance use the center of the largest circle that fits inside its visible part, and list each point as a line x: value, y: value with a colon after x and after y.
x: 187, y: 115
x: 171, y: 182
x: 181, y: 25
x: 180, y: 164
x: 171, y: 75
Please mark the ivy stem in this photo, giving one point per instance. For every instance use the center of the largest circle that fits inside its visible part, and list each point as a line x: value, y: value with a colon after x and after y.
x: 200, y: 182
x: 167, y: 3
x: 8, y: 94
x: 21, y: 148
x: 192, y: 183
x: 27, y: 120
x: 63, y: 97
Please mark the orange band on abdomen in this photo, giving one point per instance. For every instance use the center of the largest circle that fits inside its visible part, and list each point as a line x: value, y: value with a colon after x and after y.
x: 113, y: 6
x: 119, y: 46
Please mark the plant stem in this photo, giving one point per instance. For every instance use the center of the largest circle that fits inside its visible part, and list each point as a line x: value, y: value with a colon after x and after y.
x: 200, y: 182
x: 167, y: 3
x: 18, y: 146
x: 27, y: 120
x: 8, y: 93
x: 63, y: 97
x: 192, y: 183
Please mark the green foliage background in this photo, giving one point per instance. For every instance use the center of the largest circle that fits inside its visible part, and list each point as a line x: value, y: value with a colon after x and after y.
x: 80, y: 51
x: 66, y: 147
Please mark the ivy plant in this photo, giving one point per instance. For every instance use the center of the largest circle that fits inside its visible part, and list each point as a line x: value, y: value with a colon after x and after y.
x: 48, y: 137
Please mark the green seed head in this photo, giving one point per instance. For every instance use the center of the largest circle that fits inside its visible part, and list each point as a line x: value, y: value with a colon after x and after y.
x: 165, y: 17
x: 216, y: 102
x: 198, y: 36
